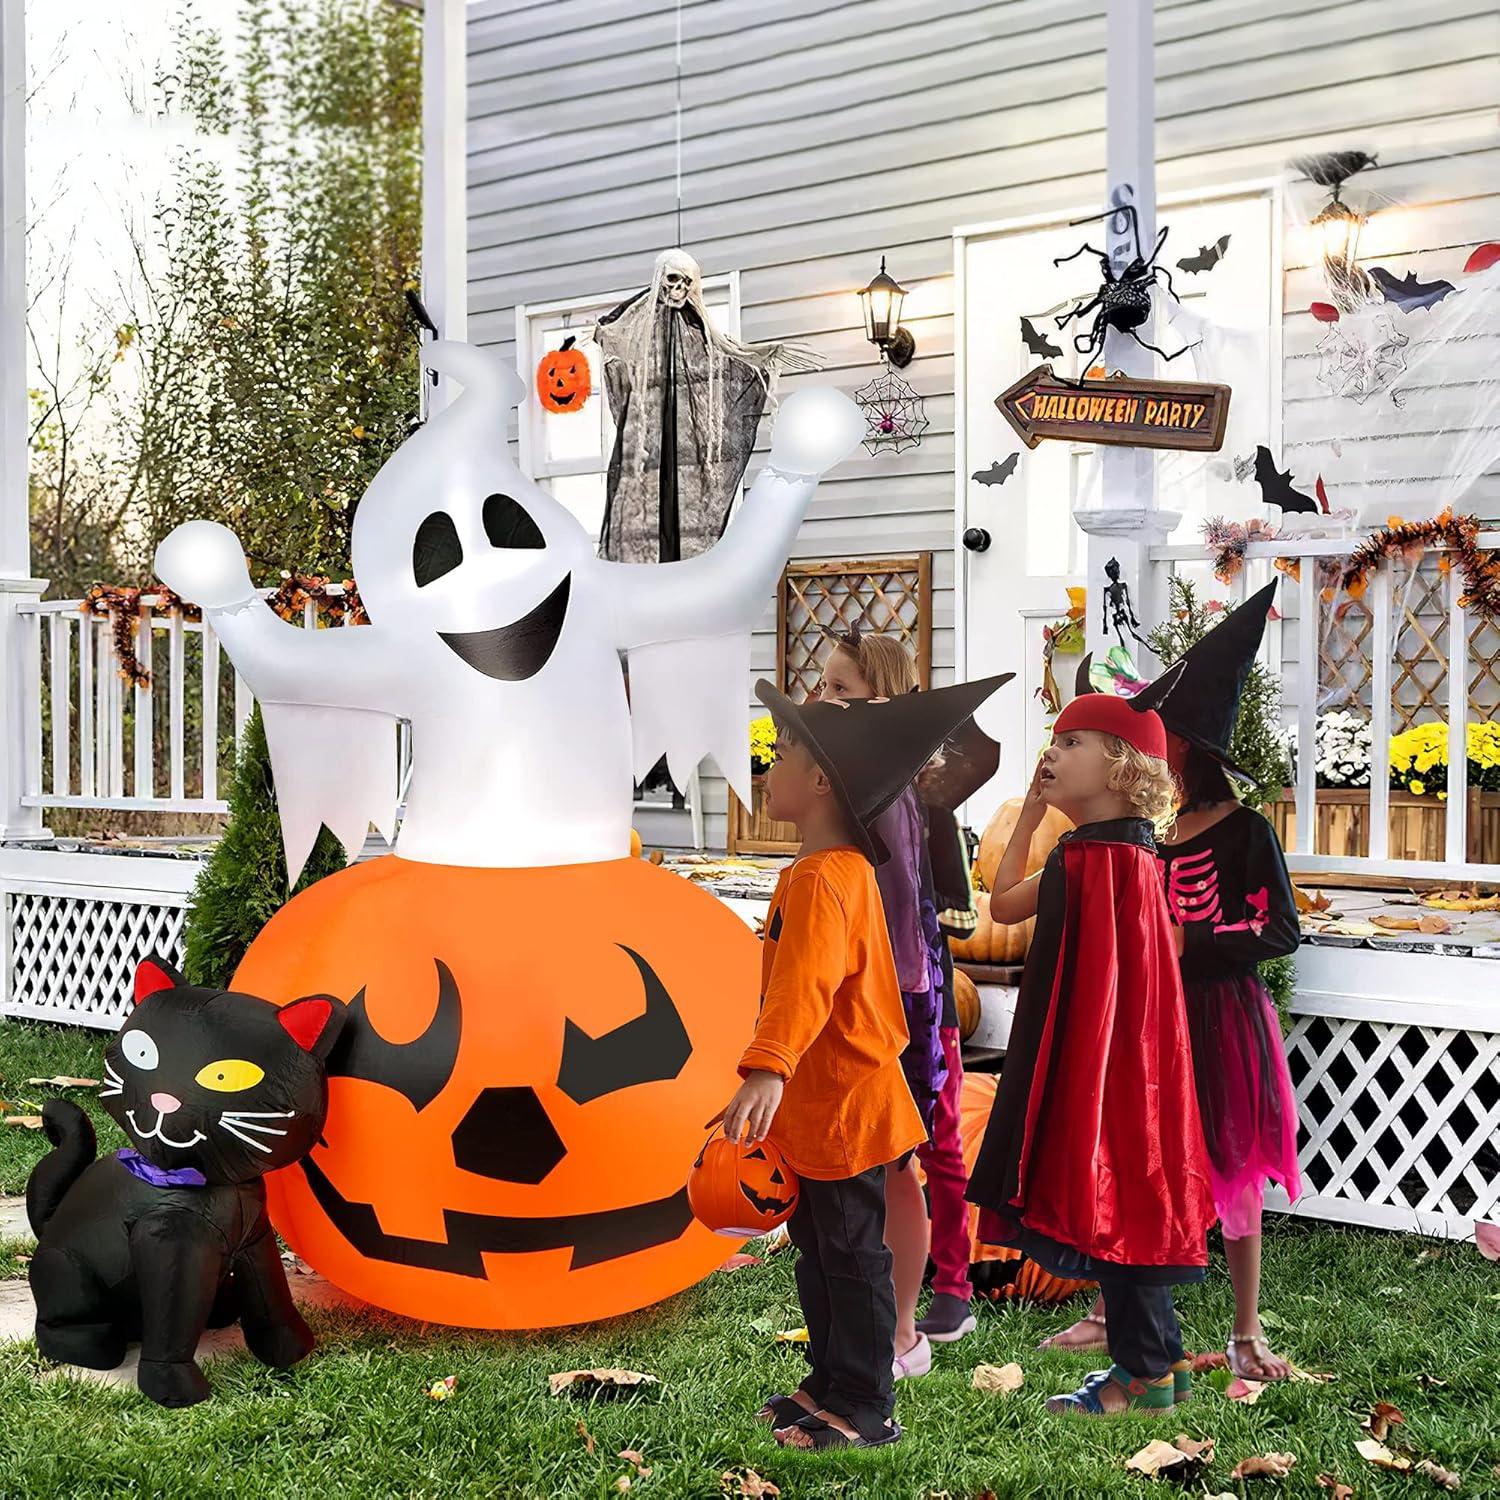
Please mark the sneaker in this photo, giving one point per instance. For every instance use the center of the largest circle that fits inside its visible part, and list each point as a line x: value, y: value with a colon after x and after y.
x: 916, y: 1361
x: 948, y: 1318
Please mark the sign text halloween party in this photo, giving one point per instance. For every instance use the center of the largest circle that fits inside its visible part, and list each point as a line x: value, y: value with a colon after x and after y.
x: 1138, y: 413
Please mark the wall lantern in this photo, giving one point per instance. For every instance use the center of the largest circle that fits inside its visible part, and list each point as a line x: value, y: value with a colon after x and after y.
x: 1337, y: 228
x: 882, y: 301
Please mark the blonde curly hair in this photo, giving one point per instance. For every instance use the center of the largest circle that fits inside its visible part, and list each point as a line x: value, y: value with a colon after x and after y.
x: 1144, y: 781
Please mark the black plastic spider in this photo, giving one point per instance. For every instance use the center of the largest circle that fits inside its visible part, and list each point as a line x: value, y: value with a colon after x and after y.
x: 1124, y: 301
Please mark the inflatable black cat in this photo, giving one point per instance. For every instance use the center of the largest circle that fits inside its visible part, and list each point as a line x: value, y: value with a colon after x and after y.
x: 169, y: 1236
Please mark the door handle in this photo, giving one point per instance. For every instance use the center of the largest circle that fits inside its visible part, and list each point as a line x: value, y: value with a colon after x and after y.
x: 977, y: 539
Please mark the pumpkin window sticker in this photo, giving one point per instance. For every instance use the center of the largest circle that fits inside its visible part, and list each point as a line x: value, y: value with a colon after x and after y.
x: 563, y: 380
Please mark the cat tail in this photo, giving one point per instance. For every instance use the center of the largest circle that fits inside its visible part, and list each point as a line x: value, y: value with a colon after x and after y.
x: 73, y: 1149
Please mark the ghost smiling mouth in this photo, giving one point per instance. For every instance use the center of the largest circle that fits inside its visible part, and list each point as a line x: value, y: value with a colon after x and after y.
x: 514, y: 652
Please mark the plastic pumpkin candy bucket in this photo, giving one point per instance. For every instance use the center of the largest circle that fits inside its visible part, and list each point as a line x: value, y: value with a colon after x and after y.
x: 739, y: 1190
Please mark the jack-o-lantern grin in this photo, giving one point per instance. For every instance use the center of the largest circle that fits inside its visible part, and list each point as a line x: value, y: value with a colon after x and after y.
x: 506, y: 1134
x: 764, y: 1204
x: 514, y: 652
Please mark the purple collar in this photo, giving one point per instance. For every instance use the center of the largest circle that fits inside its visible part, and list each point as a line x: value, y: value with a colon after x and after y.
x: 138, y: 1166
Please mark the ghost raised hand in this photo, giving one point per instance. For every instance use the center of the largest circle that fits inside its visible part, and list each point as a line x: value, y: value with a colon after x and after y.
x: 497, y: 631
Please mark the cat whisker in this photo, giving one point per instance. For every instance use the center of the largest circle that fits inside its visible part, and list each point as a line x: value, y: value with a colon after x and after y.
x: 249, y: 1140
x: 250, y: 1125
x: 107, y: 1093
x: 260, y: 1114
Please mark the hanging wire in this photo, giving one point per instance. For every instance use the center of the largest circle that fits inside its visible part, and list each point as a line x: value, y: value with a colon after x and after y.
x: 678, y: 122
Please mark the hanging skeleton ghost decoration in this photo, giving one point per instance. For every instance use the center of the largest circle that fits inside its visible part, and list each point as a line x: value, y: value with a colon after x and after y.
x: 497, y: 631
x: 687, y: 400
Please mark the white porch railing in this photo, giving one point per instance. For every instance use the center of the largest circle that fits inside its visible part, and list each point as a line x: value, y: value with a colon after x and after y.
x: 1459, y: 672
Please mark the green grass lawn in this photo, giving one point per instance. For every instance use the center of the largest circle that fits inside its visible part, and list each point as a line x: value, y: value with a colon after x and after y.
x: 1389, y: 1315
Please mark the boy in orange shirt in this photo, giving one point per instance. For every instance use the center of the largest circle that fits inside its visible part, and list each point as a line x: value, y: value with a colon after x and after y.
x: 823, y: 1077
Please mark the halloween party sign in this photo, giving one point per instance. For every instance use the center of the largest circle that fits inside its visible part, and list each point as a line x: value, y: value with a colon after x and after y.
x: 537, y: 1025
x: 1177, y: 414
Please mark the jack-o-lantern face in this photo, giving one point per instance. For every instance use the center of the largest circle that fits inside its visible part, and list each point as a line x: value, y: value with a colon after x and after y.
x: 739, y: 1189
x: 521, y: 1088
x: 562, y: 378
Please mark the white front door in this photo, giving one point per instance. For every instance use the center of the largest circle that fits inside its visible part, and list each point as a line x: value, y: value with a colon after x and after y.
x: 1016, y: 586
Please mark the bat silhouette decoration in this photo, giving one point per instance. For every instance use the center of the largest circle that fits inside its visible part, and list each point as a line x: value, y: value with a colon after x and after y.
x: 1038, y: 343
x: 1408, y: 293
x: 998, y: 472
x: 1276, y: 488
x: 1208, y: 256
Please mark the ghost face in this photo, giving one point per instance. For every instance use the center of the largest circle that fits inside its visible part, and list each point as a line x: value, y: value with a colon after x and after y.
x: 675, y: 286
x: 452, y: 544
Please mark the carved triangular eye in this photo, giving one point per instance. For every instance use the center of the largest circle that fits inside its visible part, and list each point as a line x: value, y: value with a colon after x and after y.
x: 756, y: 1155
x: 776, y: 1176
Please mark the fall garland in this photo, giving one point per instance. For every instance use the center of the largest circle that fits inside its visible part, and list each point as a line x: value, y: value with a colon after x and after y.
x: 1409, y: 539
x: 122, y: 607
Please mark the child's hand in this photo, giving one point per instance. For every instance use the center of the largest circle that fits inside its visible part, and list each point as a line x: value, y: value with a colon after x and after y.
x: 753, y: 1107
x: 1034, y: 808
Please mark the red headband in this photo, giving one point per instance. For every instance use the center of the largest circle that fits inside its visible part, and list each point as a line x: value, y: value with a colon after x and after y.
x: 1104, y: 712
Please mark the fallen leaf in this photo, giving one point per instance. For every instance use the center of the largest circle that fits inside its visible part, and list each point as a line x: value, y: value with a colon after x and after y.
x: 601, y: 1382
x: 1340, y: 1490
x: 623, y: 1483
x: 1246, y: 1391
x: 1155, y: 1457
x: 1264, y: 1466
x: 1215, y: 1359
x: 747, y: 1485
x: 1001, y: 1379
x: 631, y: 1456
x: 1315, y: 902
x: 442, y: 1390
x: 1200, y: 1450
x: 1383, y: 1416
x: 1182, y: 1459
x: 64, y: 1083
x: 1430, y: 1382
x: 1432, y: 923
x: 587, y: 1436
x: 1401, y: 924
x: 1487, y: 1239
x: 1444, y: 1479
x: 1309, y: 1377
x: 1381, y: 1456
x: 792, y: 1336
x: 738, y: 1261
x: 27, y: 1122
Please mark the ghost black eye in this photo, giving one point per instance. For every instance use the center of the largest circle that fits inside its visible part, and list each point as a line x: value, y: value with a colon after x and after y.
x: 436, y: 550
x: 507, y: 524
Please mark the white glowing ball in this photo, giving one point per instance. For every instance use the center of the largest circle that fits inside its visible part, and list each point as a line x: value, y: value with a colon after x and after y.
x: 815, y: 429
x: 204, y: 563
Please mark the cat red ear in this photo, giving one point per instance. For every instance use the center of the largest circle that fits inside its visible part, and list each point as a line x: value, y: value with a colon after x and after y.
x: 153, y: 975
x: 313, y: 1022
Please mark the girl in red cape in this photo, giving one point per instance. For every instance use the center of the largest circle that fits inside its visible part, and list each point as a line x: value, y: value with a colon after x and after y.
x: 1094, y: 1163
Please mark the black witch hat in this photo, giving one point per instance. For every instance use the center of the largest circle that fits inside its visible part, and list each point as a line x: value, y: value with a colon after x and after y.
x: 871, y: 752
x: 1202, y: 701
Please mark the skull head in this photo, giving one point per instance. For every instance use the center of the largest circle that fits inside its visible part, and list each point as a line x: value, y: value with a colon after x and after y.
x: 676, y: 274
x: 675, y: 286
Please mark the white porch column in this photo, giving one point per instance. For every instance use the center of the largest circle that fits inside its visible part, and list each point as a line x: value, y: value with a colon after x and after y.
x: 1127, y: 521
x: 19, y: 709
x: 445, y: 291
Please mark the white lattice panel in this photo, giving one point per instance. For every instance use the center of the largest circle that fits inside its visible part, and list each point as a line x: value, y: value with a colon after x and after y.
x: 73, y: 958
x: 1399, y: 1123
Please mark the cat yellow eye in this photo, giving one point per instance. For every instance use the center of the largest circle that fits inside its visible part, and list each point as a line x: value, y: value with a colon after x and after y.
x: 230, y: 1076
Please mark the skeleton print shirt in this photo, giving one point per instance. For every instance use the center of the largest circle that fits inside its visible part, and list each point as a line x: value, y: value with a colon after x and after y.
x: 1229, y: 889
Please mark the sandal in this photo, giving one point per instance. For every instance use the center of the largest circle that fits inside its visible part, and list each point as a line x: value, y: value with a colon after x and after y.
x: 1140, y: 1395
x: 781, y: 1411
x: 826, y: 1435
x: 1260, y: 1350
x: 1094, y: 1346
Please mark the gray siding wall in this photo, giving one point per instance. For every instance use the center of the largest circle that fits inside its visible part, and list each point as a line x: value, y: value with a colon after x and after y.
x: 818, y: 135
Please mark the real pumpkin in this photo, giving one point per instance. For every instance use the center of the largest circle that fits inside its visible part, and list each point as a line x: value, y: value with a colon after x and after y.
x: 994, y: 942
x: 966, y: 1004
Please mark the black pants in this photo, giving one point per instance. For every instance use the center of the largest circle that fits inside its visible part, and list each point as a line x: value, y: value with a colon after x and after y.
x: 1142, y: 1326
x: 844, y: 1284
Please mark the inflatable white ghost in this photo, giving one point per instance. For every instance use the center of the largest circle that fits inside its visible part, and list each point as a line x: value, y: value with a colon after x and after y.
x: 497, y: 631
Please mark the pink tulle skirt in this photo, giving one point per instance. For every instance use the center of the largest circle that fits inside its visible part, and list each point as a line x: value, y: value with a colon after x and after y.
x: 1245, y: 1096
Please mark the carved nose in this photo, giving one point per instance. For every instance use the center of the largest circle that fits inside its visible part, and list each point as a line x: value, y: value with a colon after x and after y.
x: 165, y: 1103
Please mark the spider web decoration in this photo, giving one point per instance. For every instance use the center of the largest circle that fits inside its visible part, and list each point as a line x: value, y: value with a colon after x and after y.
x: 895, y: 415
x: 1348, y: 367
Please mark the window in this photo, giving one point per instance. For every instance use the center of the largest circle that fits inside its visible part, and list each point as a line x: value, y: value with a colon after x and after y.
x: 567, y: 453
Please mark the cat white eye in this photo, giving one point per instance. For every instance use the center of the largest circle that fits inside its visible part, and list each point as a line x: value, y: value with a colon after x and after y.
x: 230, y: 1075
x: 140, y: 1050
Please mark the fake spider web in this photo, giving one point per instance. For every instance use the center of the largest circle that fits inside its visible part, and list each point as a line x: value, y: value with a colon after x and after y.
x: 895, y: 415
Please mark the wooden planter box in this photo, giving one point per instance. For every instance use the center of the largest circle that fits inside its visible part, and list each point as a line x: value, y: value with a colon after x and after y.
x: 1417, y: 824
x: 751, y: 831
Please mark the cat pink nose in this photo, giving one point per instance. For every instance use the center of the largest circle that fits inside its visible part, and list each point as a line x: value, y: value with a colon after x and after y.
x: 165, y: 1103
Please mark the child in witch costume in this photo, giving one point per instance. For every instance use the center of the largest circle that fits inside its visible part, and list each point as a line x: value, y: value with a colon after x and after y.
x: 823, y: 1076
x: 1228, y: 891
x: 1093, y: 1163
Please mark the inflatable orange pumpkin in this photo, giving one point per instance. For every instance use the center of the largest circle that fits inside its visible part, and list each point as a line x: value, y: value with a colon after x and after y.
x: 741, y: 1190
x: 563, y: 381
x: 521, y: 1088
